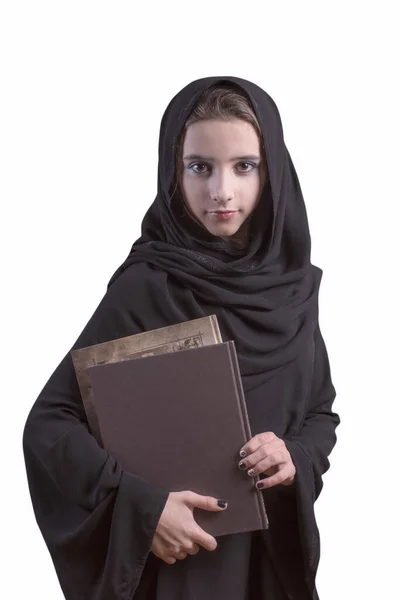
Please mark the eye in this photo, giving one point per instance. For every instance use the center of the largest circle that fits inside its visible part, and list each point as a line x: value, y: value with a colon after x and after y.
x: 201, y: 172
x: 203, y: 168
x: 249, y: 164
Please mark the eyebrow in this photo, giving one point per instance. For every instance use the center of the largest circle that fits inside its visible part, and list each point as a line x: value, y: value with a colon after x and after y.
x: 210, y: 159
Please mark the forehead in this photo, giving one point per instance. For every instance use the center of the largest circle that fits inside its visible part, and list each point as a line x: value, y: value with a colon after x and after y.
x: 221, y: 138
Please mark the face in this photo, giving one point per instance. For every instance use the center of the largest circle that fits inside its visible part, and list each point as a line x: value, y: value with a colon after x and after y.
x: 223, y: 174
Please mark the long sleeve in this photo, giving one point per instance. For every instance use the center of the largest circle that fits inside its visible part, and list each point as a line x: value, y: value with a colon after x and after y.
x: 97, y: 520
x: 310, y: 447
x: 316, y: 437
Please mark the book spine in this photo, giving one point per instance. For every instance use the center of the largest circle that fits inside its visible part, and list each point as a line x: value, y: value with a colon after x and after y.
x: 215, y: 329
x: 87, y: 400
x: 246, y: 424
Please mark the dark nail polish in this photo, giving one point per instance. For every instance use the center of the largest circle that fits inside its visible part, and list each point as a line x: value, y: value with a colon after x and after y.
x: 259, y: 485
x: 242, y: 453
x: 222, y: 503
x: 242, y: 465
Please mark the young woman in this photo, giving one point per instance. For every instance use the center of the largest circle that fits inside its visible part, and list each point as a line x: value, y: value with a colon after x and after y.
x: 228, y: 235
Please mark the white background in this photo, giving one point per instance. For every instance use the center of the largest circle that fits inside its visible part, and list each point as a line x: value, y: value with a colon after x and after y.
x: 83, y: 89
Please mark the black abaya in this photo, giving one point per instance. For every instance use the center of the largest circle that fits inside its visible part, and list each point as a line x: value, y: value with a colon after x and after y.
x: 239, y: 569
x: 97, y: 520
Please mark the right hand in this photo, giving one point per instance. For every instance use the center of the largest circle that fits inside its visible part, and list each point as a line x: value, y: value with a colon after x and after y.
x: 177, y: 533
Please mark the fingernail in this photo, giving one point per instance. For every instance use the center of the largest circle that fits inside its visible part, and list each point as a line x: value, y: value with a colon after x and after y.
x: 250, y: 472
x: 222, y: 503
x: 242, y: 465
x: 259, y: 485
x: 242, y: 453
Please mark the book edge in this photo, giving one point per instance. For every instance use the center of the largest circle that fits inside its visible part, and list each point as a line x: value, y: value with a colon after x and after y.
x: 246, y: 424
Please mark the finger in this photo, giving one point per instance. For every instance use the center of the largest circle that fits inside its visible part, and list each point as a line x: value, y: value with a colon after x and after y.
x: 181, y: 555
x: 170, y: 560
x: 255, y: 442
x: 189, y: 547
x: 205, y: 502
x: 289, y: 481
x: 193, y: 549
x: 279, y: 477
x: 206, y: 541
x: 264, y: 465
x: 261, y: 453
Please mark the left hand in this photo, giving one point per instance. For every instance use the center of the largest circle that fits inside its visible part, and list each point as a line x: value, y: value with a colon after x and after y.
x: 267, y: 454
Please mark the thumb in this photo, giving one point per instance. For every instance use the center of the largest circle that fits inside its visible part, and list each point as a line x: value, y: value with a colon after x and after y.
x: 205, y: 502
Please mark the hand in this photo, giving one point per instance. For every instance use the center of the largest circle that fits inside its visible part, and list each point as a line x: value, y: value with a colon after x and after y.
x: 177, y: 533
x: 267, y: 454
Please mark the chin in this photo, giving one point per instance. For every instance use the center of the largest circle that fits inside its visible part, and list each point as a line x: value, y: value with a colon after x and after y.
x: 223, y: 231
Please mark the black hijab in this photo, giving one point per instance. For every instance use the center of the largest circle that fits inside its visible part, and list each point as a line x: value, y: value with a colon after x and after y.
x: 266, y: 296
x: 98, y: 520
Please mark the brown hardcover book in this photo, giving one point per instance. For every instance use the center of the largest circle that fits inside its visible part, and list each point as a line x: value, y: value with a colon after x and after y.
x: 173, y: 338
x: 179, y: 421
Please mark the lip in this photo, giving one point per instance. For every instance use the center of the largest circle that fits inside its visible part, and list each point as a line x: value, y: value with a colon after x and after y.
x: 223, y: 215
x: 222, y: 212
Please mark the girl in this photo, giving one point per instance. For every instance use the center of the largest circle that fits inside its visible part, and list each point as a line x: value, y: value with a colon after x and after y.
x: 228, y: 235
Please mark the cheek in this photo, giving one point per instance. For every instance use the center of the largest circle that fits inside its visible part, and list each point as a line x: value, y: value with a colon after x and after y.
x: 251, y: 192
x: 193, y: 194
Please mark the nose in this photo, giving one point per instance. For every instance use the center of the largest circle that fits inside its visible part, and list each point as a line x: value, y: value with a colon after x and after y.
x: 221, y: 189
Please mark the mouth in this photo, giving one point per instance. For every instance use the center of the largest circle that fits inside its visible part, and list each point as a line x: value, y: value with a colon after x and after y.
x: 222, y: 212
x: 222, y: 215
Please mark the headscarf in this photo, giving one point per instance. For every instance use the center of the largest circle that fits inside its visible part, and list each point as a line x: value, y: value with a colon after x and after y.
x: 266, y: 295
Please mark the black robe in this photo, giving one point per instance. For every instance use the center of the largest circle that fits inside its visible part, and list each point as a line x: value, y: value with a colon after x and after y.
x: 97, y: 520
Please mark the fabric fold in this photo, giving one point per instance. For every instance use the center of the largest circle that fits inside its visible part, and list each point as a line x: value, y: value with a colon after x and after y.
x: 97, y: 520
